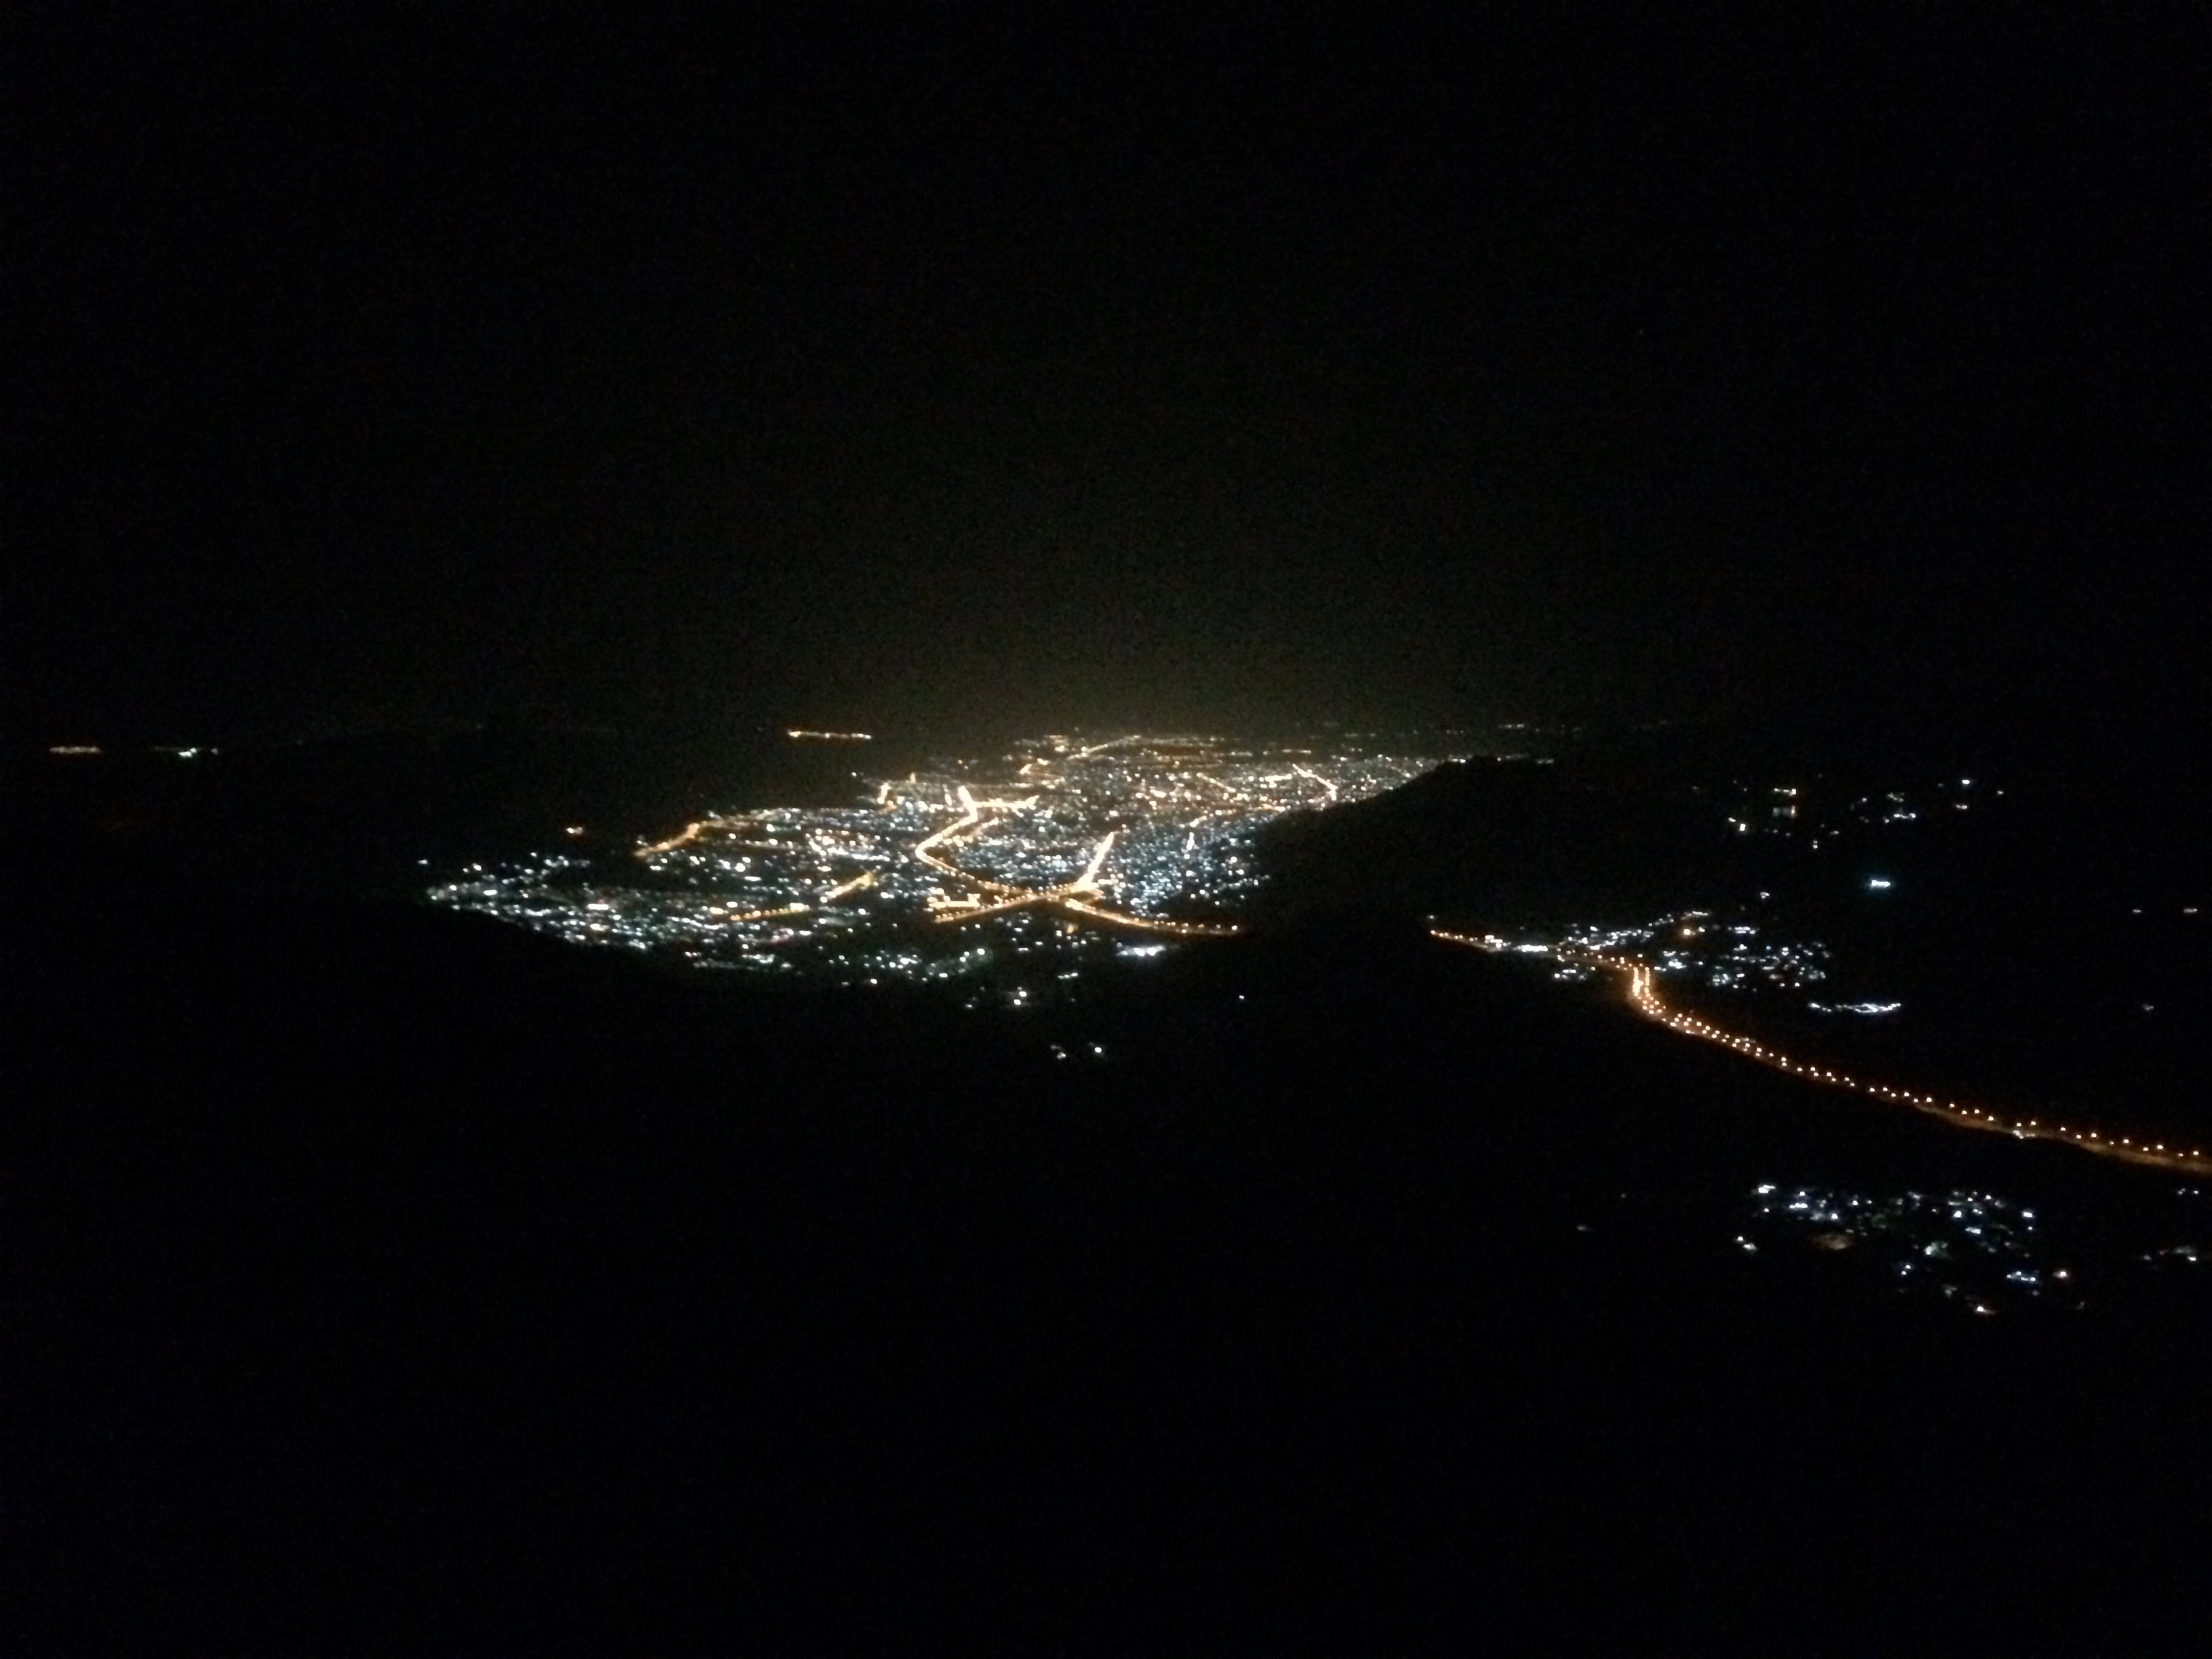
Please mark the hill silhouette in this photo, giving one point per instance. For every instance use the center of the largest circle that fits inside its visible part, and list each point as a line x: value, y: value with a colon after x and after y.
x: 1503, y: 843
x: 381, y: 1278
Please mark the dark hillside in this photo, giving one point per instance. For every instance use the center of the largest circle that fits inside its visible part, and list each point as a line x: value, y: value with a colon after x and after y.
x: 1504, y: 842
x: 364, y: 812
x: 377, y: 1280
x: 2047, y: 948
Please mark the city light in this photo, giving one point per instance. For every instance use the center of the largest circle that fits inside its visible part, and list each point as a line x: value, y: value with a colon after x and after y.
x: 1051, y: 855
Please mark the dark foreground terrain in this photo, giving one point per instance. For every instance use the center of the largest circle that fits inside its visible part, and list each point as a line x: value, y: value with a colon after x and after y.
x: 379, y: 1280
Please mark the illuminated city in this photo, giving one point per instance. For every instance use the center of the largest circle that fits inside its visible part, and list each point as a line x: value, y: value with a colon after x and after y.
x: 1012, y: 871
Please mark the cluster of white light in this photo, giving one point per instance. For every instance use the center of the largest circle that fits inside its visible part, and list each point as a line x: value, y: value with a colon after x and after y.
x: 1973, y: 1248
x: 1057, y: 845
x: 1727, y: 955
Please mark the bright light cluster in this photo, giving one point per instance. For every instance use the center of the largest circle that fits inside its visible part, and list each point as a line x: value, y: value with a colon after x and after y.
x: 1977, y: 1250
x: 1051, y: 855
x: 1733, y: 953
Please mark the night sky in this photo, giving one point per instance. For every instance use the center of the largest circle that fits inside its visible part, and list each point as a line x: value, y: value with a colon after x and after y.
x: 947, y: 363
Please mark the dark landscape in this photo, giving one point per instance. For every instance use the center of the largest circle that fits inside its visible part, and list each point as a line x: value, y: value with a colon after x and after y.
x: 380, y: 1277
x: 883, y: 828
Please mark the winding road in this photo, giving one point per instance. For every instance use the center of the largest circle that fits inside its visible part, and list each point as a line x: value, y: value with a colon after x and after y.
x: 1643, y: 996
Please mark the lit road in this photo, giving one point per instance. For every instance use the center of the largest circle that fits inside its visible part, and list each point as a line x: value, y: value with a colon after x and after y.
x: 1077, y: 897
x: 1074, y: 897
x: 866, y: 880
x: 686, y: 837
x: 1643, y: 996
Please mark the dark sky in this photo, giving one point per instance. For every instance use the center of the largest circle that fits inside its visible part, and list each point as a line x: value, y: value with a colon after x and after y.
x: 945, y: 362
